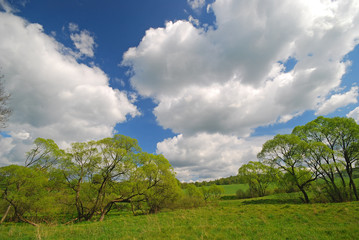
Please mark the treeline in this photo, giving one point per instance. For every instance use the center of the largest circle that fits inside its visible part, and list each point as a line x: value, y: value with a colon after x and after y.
x: 319, y: 157
x: 221, y: 181
x: 89, y: 180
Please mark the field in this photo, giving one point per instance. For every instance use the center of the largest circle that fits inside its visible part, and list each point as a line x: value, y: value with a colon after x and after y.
x: 232, y: 189
x: 262, y: 218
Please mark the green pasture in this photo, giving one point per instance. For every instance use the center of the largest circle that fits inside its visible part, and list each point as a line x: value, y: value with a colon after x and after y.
x: 272, y: 217
x: 232, y: 189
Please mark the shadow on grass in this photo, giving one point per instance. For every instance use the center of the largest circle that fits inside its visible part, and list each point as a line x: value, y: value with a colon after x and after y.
x: 272, y: 201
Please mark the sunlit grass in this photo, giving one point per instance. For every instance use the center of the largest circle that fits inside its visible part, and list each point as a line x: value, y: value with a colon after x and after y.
x: 260, y: 218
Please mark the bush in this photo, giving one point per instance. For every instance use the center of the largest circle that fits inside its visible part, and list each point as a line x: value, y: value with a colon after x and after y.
x: 213, y: 192
x: 242, y: 194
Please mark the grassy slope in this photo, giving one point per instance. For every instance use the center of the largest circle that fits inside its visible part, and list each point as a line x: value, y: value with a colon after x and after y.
x: 265, y: 218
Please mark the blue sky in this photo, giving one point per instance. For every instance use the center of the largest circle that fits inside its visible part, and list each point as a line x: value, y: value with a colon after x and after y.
x: 205, y: 83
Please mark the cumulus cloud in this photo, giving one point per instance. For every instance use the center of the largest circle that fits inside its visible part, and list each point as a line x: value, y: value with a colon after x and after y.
x: 52, y: 95
x: 196, y: 4
x: 354, y: 114
x: 83, y: 40
x: 6, y: 6
x: 232, y: 78
x: 209, y: 156
x: 338, y: 100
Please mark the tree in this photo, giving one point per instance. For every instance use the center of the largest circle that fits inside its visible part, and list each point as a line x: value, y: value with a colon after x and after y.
x: 44, y: 154
x: 340, y: 135
x: 213, y: 192
x: 258, y: 176
x: 150, y: 186
x: 156, y: 181
x: 93, y: 169
x: 5, y: 111
x: 287, y: 152
x: 78, y: 165
x: 24, y: 189
x: 87, y: 180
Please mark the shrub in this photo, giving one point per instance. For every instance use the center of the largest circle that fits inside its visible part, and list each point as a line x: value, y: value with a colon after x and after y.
x: 242, y: 194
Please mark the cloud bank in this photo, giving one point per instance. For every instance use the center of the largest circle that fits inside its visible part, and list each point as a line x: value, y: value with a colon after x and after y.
x: 231, y: 78
x: 52, y: 95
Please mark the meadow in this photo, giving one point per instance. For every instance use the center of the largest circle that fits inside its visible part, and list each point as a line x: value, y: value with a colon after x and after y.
x: 271, y: 217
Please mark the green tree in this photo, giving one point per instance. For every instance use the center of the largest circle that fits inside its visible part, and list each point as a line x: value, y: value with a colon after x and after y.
x: 150, y: 185
x: 42, y: 157
x: 258, y: 176
x: 92, y: 169
x: 288, y: 153
x: 213, y: 192
x: 341, y: 136
x: 87, y: 180
x: 157, y: 181
x: 44, y: 154
x: 25, y: 190
x: 78, y: 165
x: 194, y: 191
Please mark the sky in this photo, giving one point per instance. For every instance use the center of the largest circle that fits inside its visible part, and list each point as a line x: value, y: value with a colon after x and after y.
x: 205, y: 83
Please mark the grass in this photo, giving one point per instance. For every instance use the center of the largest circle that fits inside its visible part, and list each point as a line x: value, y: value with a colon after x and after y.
x: 262, y: 218
x: 232, y: 189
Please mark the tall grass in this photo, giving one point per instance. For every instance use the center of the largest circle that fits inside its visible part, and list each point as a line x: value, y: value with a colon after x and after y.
x: 260, y: 218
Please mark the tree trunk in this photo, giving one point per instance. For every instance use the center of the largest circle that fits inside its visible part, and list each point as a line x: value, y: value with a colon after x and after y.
x: 105, y: 211
x: 5, y: 214
x: 71, y: 221
x: 26, y: 220
x: 352, y: 184
x: 306, y: 198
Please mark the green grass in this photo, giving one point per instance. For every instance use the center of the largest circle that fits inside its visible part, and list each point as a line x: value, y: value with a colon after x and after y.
x: 262, y: 218
x: 232, y: 189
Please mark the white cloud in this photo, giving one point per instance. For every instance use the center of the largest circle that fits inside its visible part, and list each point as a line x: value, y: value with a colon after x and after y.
x: 83, y: 41
x: 73, y: 27
x: 354, y: 114
x: 6, y: 6
x: 209, y: 156
x: 338, y: 100
x: 193, y: 20
x: 196, y: 4
x: 52, y: 95
x: 229, y: 80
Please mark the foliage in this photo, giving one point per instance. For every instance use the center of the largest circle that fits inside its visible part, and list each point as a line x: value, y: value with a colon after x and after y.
x: 258, y: 176
x: 287, y: 153
x: 324, y: 149
x: 213, y: 192
x: 86, y: 180
x: 25, y: 189
x: 334, y: 151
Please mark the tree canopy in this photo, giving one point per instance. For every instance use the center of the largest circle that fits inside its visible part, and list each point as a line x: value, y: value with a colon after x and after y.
x: 325, y: 148
x: 86, y: 180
